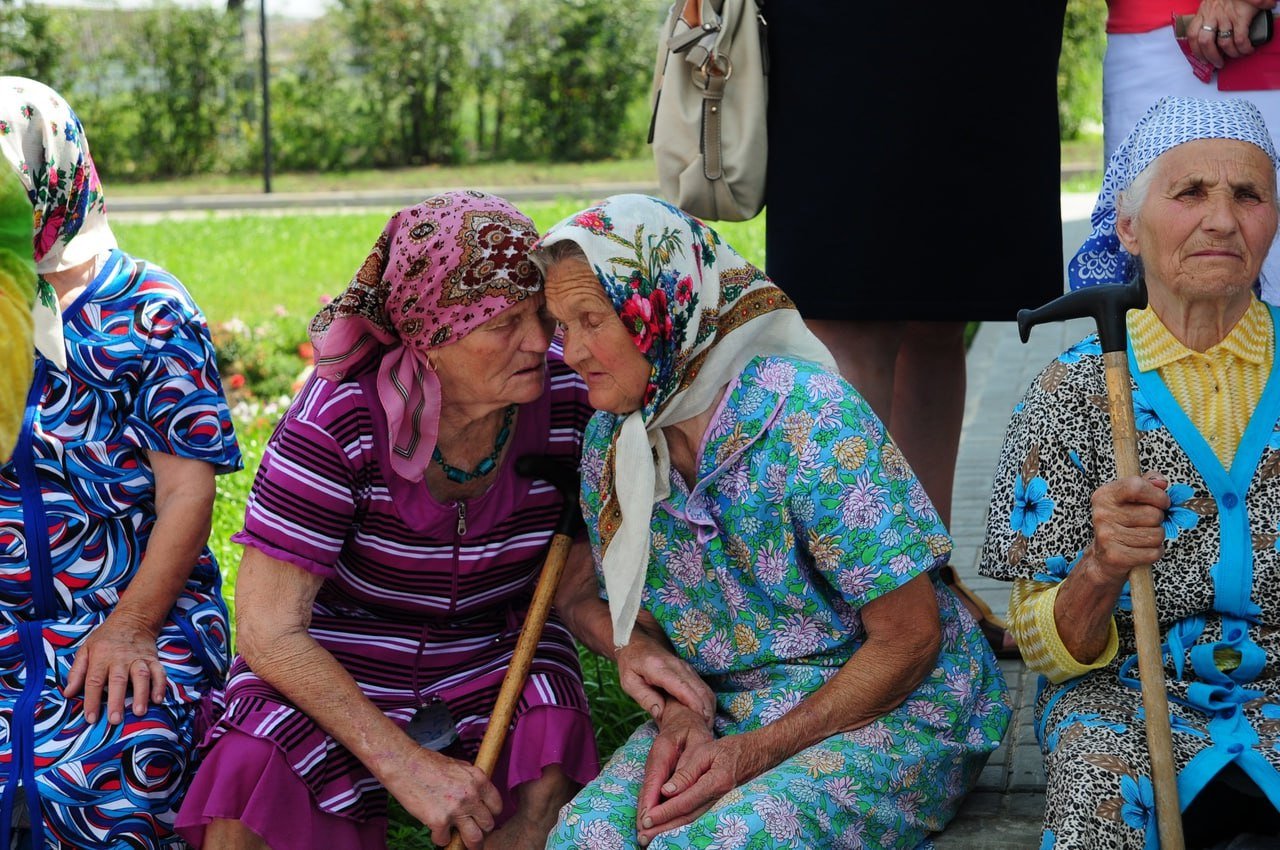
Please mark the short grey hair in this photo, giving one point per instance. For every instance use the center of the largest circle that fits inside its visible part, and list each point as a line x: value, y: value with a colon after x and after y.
x: 557, y: 252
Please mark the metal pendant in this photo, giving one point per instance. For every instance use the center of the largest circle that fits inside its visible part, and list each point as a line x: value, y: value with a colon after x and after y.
x: 432, y: 726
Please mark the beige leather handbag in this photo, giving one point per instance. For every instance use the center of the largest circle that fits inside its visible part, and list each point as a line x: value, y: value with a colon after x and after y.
x: 709, y: 96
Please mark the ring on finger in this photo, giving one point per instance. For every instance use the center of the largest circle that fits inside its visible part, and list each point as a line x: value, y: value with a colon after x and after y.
x: 1208, y: 28
x: 1224, y: 33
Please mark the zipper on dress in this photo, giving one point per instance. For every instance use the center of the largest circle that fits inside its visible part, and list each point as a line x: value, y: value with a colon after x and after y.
x: 462, y: 518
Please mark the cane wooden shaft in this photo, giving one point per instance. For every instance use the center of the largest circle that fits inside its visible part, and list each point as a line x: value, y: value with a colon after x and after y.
x: 1146, y: 624
x: 521, y: 660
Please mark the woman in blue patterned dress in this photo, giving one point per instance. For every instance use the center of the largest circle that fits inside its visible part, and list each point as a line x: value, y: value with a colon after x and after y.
x: 743, y: 494
x: 112, y: 628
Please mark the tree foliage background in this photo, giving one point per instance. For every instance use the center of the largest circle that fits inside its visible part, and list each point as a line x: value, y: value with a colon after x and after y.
x: 172, y: 91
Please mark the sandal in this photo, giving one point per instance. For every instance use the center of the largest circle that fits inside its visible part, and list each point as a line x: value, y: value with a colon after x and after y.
x: 994, y: 628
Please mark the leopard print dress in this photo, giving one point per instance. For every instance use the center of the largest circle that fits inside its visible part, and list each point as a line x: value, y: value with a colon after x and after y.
x: 1217, y: 591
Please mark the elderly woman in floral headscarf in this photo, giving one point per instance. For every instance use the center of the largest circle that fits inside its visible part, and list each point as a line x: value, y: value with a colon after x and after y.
x: 1188, y: 204
x: 391, y: 552
x: 741, y: 493
x: 108, y: 592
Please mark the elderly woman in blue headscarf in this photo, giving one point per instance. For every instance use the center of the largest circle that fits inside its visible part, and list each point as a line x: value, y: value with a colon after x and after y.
x: 1189, y: 205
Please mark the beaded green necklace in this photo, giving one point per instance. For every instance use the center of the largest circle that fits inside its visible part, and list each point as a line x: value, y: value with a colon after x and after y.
x: 486, y: 465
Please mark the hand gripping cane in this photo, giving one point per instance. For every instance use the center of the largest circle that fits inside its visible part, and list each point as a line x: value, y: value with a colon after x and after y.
x: 1107, y: 305
x: 530, y: 466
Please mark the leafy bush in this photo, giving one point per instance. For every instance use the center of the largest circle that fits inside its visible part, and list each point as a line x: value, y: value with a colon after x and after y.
x: 262, y: 363
x: 1080, y: 67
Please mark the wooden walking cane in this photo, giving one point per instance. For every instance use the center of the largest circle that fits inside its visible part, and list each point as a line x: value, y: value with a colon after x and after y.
x: 1107, y: 305
x: 530, y: 466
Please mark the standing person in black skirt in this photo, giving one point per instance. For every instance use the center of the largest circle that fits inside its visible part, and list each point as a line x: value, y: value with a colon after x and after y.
x: 941, y: 208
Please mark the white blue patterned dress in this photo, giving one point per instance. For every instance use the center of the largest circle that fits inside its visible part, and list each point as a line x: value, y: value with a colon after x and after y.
x: 803, y: 511
x: 76, y: 511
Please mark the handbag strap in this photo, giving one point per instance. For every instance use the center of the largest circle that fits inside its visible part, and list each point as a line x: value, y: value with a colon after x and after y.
x: 712, y: 98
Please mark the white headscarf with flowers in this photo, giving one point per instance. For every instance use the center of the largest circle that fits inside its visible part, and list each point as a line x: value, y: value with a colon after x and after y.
x: 43, y: 141
x: 699, y: 313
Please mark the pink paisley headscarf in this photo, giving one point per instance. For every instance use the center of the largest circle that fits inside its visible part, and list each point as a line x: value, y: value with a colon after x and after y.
x: 439, y: 270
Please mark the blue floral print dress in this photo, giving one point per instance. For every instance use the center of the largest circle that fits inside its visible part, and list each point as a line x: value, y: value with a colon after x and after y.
x: 802, y: 512
x: 76, y: 511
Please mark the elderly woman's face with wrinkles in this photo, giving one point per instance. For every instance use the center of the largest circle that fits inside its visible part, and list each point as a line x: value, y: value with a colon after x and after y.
x: 501, y: 361
x: 596, y: 343
x: 1207, y: 221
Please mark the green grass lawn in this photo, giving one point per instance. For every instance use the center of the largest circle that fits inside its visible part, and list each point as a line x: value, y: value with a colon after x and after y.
x: 247, y: 267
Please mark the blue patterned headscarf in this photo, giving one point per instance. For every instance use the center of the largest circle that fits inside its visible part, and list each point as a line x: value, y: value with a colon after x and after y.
x: 1170, y: 122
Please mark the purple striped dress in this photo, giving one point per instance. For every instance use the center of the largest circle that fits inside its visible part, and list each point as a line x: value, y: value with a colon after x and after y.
x: 421, y: 600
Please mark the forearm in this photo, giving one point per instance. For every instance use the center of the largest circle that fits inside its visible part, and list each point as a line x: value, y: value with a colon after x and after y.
x: 587, y: 618
x: 882, y: 673
x: 177, y: 539
x: 584, y: 613
x: 1084, y: 608
x: 293, y: 663
x: 579, y: 605
x: 1035, y: 626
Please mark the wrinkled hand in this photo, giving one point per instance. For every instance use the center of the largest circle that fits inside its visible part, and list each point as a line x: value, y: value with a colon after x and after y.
x: 649, y: 671
x: 1127, y: 525
x: 704, y: 772
x: 680, y: 729
x: 118, y: 656
x: 1220, y: 16
x: 445, y: 794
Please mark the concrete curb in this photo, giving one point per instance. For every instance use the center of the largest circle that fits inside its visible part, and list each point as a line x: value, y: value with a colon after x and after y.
x: 379, y: 198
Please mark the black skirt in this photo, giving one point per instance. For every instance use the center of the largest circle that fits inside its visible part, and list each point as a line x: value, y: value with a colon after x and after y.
x: 914, y: 165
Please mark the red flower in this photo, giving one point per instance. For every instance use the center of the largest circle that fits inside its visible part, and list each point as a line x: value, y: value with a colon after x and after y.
x: 646, y: 319
x: 684, y: 290
x: 50, y: 231
x: 661, y: 313
x: 306, y: 351
x: 637, y: 316
x: 593, y: 221
x: 235, y: 381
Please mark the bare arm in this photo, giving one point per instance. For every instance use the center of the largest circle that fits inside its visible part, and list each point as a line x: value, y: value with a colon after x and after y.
x: 904, y: 634
x: 1128, y: 532
x: 648, y: 668
x: 121, y: 653
x: 273, y: 613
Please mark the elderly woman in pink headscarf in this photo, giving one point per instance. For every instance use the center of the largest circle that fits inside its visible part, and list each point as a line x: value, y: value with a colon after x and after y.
x: 391, y: 552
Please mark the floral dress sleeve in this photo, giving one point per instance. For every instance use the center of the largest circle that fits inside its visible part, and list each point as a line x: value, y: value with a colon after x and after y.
x: 859, y: 510
x: 1041, y: 518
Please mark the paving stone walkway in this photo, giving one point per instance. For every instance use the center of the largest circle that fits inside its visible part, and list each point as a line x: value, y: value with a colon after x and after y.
x: 1004, y: 811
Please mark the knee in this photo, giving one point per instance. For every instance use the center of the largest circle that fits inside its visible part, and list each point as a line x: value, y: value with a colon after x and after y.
x: 224, y: 834
x: 543, y: 797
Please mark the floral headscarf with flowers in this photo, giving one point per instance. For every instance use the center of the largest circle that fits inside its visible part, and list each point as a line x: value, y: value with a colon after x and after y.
x: 43, y: 140
x: 699, y: 313
x: 439, y: 270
